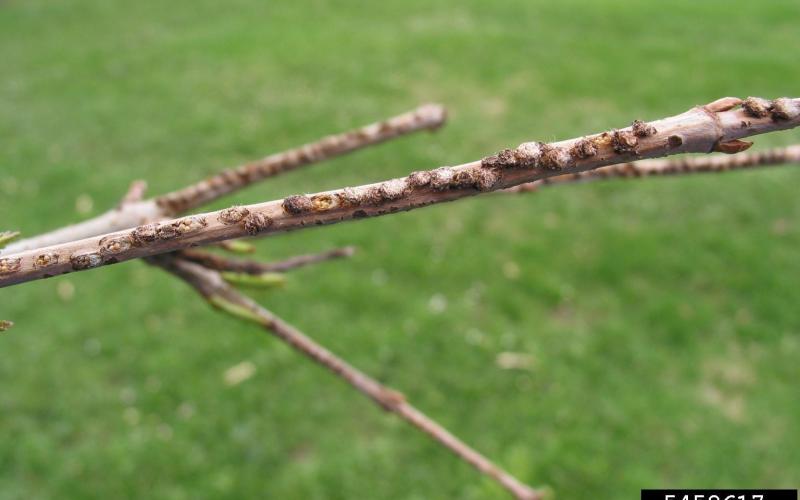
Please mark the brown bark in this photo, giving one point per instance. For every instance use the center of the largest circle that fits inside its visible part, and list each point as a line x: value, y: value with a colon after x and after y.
x: 702, y: 129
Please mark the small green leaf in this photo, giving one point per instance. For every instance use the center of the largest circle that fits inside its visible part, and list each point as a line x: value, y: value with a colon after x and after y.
x: 265, y: 280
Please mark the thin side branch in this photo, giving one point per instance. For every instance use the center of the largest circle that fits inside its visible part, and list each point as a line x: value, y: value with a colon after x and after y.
x: 220, y: 263
x: 133, y: 211
x: 660, y: 167
x: 703, y: 129
x: 428, y: 116
x: 209, y: 284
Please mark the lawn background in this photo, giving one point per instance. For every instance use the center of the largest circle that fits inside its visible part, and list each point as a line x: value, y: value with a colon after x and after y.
x: 661, y: 315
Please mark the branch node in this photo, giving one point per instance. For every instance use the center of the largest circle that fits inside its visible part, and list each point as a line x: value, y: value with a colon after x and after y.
x: 624, y: 141
x: 255, y: 223
x: 297, y: 204
x: 10, y: 265
x: 757, y: 107
x: 389, y: 399
x: 784, y: 108
x: 642, y: 129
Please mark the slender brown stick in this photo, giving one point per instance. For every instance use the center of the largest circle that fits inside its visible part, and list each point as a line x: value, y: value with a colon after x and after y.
x: 133, y: 211
x: 217, y: 292
x: 714, y: 127
x: 682, y: 166
x: 429, y: 116
x: 220, y: 263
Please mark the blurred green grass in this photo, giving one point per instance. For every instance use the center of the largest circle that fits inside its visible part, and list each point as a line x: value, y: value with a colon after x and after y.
x: 661, y: 315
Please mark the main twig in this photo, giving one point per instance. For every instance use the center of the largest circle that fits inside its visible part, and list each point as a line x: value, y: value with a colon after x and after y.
x: 218, y: 293
x: 718, y: 126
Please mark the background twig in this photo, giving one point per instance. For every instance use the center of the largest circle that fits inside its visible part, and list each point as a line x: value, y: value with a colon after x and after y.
x: 217, y: 292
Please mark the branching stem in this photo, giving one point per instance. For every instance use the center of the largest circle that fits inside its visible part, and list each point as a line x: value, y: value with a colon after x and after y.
x: 718, y: 126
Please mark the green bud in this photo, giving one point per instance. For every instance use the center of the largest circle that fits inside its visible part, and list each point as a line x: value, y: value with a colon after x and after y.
x: 233, y: 309
x: 238, y: 246
x: 265, y: 280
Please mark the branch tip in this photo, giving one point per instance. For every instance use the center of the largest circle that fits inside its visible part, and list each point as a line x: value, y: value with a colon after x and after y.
x: 435, y: 113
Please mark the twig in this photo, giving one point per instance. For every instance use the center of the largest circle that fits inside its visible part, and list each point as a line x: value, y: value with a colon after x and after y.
x: 429, y: 116
x: 220, y: 263
x: 218, y: 293
x: 133, y: 213
x: 714, y: 127
x: 691, y: 165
